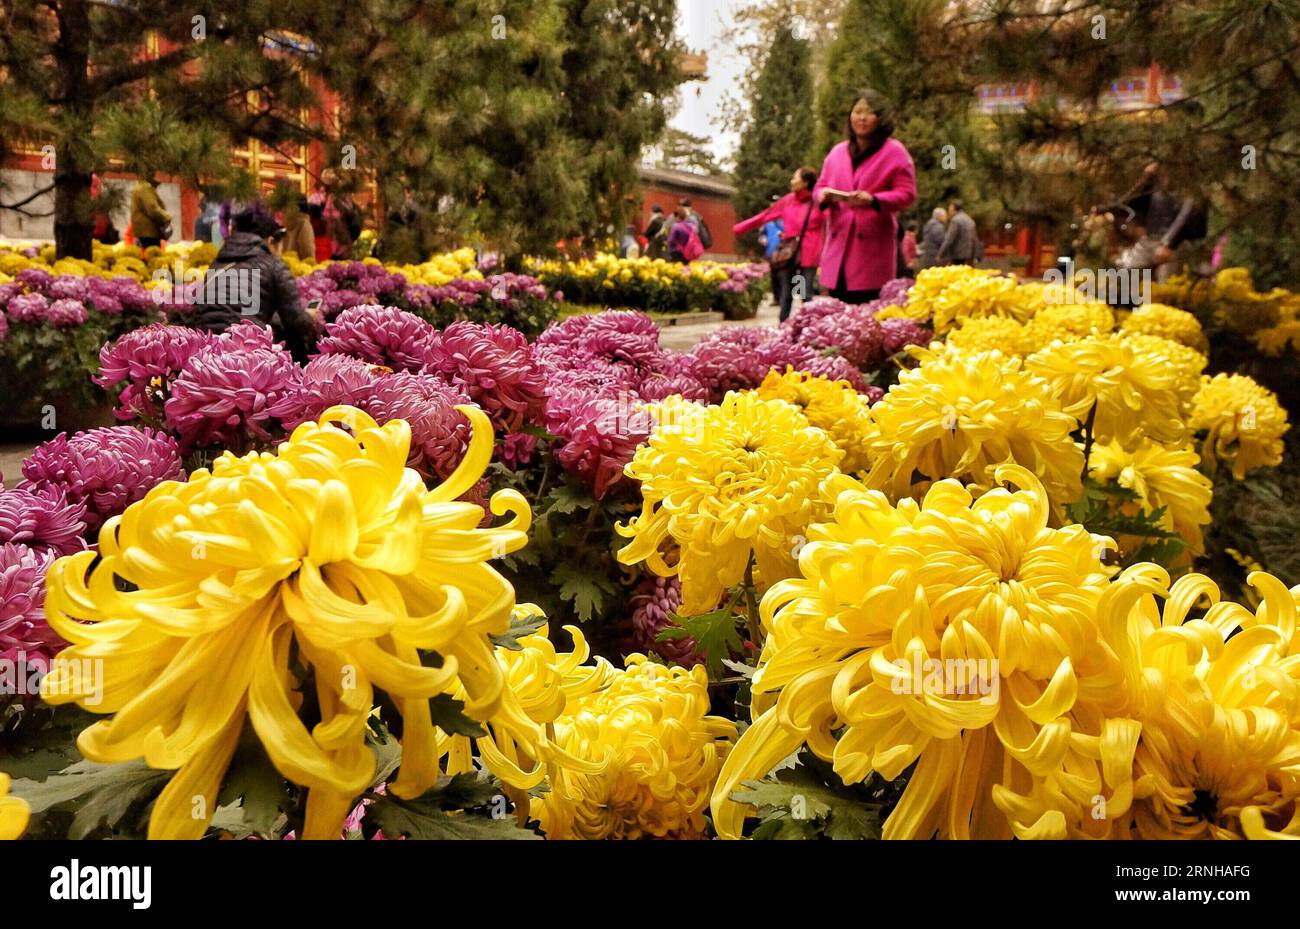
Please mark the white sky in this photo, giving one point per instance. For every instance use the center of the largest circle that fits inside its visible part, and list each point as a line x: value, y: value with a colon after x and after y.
x: 700, y: 24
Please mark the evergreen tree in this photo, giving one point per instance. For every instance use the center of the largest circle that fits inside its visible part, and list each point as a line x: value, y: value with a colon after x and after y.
x: 75, y: 81
x: 780, y: 128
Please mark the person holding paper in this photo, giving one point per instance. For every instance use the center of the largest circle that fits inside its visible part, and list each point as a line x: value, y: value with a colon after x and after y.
x: 866, y: 181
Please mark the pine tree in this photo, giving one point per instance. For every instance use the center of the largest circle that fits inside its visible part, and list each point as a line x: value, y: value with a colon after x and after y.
x: 75, y: 81
x: 780, y: 128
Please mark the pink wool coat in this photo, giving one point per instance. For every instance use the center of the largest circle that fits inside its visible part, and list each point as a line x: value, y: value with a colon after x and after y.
x: 864, y: 240
x: 791, y: 210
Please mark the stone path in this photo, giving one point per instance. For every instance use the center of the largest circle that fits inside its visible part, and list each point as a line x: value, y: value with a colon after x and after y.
x: 679, y: 338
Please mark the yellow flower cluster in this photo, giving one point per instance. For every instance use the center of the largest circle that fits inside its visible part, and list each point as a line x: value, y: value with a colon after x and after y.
x: 723, y: 484
x: 1160, y: 476
x: 833, y: 406
x: 328, y: 556
x: 1167, y: 321
x: 609, y: 270
x: 961, y: 415
x: 1243, y: 422
x: 440, y: 270
x: 1030, y: 694
x: 655, y: 751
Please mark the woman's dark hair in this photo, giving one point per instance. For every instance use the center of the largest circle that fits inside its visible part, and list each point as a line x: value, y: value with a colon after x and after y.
x: 257, y: 220
x: 884, y: 111
x: 809, y: 177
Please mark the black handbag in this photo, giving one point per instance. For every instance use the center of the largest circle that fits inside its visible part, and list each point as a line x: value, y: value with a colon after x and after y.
x: 786, y: 256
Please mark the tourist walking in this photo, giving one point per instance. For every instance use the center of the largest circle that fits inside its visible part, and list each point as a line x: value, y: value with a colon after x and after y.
x: 150, y: 221
x: 961, y: 243
x: 794, y: 261
x: 866, y: 181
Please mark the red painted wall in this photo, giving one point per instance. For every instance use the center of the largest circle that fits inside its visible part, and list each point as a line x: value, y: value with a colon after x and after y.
x: 717, y: 211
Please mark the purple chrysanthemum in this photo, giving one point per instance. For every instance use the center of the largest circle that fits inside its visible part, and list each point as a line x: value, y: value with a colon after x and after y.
x: 66, y: 313
x: 900, y: 333
x: 836, y: 368
x: 600, y: 433
x: 147, y: 360
x: 105, y: 469
x: 653, y: 603
x: 622, y: 336
x: 23, y: 629
x: 327, y: 380
x: 440, y: 433
x: 894, y: 293
x: 28, y: 308
x: 35, y: 279
x: 655, y: 386
x: 382, y: 335
x: 494, y: 366
x: 853, y: 332
x: 811, y: 311
x: 43, y: 520
x: 222, y: 398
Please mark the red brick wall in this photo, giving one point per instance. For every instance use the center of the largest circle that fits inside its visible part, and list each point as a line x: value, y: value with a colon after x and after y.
x: 717, y: 212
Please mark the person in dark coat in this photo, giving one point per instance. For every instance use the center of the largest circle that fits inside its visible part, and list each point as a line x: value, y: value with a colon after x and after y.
x: 248, y: 282
x: 932, y: 239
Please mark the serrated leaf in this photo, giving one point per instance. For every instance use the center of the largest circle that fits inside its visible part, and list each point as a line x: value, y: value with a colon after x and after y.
x: 520, y: 626
x: 568, y: 498
x: 99, y: 794
x: 853, y: 821
x: 424, y: 818
x: 715, y: 634
x: 448, y: 714
x: 256, y: 787
x: 588, y: 591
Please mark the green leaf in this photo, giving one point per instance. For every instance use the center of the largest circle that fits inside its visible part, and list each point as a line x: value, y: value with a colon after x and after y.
x: 520, y: 626
x: 255, y: 788
x: 442, y: 812
x: 802, y: 805
x: 448, y: 714
x: 588, y: 591
x: 716, y: 637
x: 99, y: 794
x: 567, y: 498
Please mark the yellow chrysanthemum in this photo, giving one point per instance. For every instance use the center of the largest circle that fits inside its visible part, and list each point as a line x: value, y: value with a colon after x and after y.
x: 989, y: 333
x: 14, y: 812
x: 1135, y: 392
x: 1243, y: 422
x: 659, y: 753
x: 833, y: 406
x: 944, y: 634
x: 1067, y: 321
x: 979, y: 294
x: 1167, y: 321
x: 541, y: 681
x: 1161, y: 476
x: 1217, y: 701
x: 724, y: 482
x: 1186, y: 360
x: 1285, y: 336
x: 960, y: 415
x: 328, y: 555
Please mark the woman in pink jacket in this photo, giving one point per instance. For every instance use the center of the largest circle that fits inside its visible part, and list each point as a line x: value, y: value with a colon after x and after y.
x: 866, y: 181
x: 793, y: 209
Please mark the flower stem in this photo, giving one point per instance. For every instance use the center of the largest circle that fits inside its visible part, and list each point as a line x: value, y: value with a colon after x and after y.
x: 751, y: 606
x: 1088, y: 438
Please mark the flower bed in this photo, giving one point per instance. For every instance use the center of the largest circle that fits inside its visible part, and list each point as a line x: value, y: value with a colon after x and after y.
x: 972, y: 585
x: 657, y: 285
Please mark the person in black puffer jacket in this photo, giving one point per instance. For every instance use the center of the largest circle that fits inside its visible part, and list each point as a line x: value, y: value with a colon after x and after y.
x: 248, y: 282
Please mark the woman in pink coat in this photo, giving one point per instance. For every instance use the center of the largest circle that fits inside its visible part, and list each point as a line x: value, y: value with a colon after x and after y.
x: 866, y: 181
x: 793, y: 209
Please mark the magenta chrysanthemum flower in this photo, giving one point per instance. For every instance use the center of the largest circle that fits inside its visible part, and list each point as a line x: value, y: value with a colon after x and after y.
x: 226, y: 398
x: 653, y: 603
x: 71, y: 287
x: 28, y: 308
x: 894, y: 293
x: 811, y: 311
x: 382, y: 335
x: 43, y: 520
x: 516, y: 450
x: 494, y: 366
x: 37, y: 280
x: 900, y: 333
x: 23, y: 629
x: 440, y: 433
x: 148, y: 360
x: 622, y: 335
x: 853, y: 333
x: 66, y: 313
x: 4, y: 327
x: 246, y: 335
x: 327, y: 380
x: 655, y: 386
x: 873, y: 393
x: 105, y: 469
x: 722, y: 365
x: 836, y: 368
x: 600, y: 434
